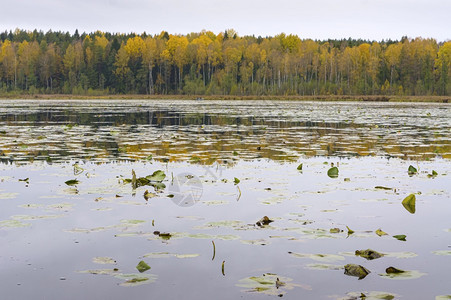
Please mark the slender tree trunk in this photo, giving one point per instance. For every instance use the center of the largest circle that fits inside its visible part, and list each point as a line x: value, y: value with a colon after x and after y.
x: 150, y: 80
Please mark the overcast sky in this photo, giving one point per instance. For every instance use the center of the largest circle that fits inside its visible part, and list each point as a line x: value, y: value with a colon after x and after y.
x: 317, y: 19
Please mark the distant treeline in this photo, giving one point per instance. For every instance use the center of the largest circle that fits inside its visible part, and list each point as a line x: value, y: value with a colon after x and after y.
x: 205, y: 63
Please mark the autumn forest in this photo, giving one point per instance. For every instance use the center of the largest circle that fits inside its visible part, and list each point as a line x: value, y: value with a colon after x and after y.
x: 206, y: 63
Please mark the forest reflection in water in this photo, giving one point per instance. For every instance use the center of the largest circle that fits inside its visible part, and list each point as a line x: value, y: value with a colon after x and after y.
x: 209, y: 131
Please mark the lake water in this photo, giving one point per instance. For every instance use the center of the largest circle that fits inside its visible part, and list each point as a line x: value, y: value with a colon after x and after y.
x: 74, y: 224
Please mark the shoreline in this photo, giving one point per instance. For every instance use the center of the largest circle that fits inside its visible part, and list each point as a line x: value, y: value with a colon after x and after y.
x: 357, y: 98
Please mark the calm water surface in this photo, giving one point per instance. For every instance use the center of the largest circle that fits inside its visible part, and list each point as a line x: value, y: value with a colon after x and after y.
x: 84, y: 241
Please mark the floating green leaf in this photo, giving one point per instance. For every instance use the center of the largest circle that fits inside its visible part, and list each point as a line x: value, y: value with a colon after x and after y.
x: 400, y: 237
x: 31, y: 205
x: 103, y: 260
x: 131, y: 222
x: 323, y: 267
x: 35, y: 217
x: 141, y: 181
x: 409, y: 203
x: 382, y: 188
x: 8, y: 195
x: 236, y: 180
x: 225, y: 237
x: 136, y: 279
x: 186, y: 255
x: 379, y: 232
x: 142, y: 266
x: 335, y: 230
x: 318, y: 257
x: 163, y: 235
x: 264, y: 221
x: 350, y: 231
x: 412, y: 170
x: 393, y: 270
x: 260, y: 242
x: 148, y: 195
x: 270, y: 284
x: 157, y: 176
x: 356, y: 270
x: 158, y: 255
x: 443, y: 297
x: 72, y: 182
x: 158, y: 186
x: 394, y: 273
x: 100, y: 271
x: 13, y: 224
x: 433, y: 174
x: 374, y: 295
x: 299, y: 167
x: 333, y: 172
x: 369, y: 254
x: 442, y: 252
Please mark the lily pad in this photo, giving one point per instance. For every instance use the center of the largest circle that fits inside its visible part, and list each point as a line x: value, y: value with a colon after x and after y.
x: 224, y: 223
x: 31, y: 206
x: 318, y: 257
x: 158, y: 186
x: 405, y: 254
x: 264, y: 221
x: 100, y: 271
x: 72, y: 182
x: 394, y: 273
x: 369, y: 254
x: 13, y: 224
x: 225, y: 237
x: 186, y: 255
x: 356, y: 270
x: 379, y: 232
x: 142, y: 266
x: 442, y: 252
x: 382, y: 188
x: 32, y: 218
x: 131, y: 222
x: 409, y: 203
x: 323, y: 267
x: 104, y: 260
x: 373, y: 295
x: 141, y: 181
x: 393, y: 270
x: 333, y: 172
x: 158, y: 255
x: 401, y: 237
x: 136, y: 279
x: 433, y: 174
x: 60, y: 206
x: 270, y: 284
x: 148, y: 195
x: 260, y: 242
x: 412, y: 170
x: 157, y: 176
x: 8, y: 195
